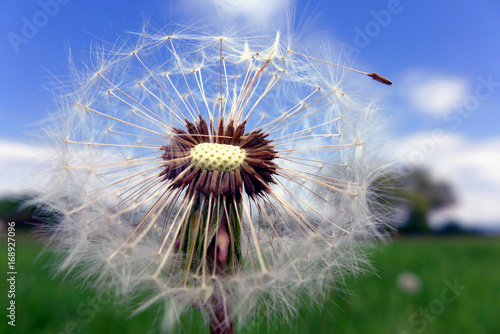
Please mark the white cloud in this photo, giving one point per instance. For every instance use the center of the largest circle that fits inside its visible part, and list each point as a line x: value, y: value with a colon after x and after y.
x: 252, y: 12
x: 434, y: 94
x: 27, y: 168
x: 20, y: 167
x: 251, y: 9
x: 472, y: 169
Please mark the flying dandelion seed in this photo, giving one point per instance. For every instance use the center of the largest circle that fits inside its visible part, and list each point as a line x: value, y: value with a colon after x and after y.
x: 218, y: 172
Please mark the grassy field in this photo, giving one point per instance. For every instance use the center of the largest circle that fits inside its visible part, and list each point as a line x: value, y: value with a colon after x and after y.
x: 460, y: 293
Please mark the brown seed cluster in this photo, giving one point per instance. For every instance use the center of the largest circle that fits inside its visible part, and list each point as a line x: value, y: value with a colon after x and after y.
x: 255, y: 174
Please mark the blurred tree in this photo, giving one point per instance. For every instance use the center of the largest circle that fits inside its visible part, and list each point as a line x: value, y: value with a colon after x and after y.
x: 16, y: 209
x: 422, y: 194
x: 452, y: 228
x: 411, y: 197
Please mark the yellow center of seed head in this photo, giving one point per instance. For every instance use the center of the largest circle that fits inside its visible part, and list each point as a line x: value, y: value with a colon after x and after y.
x: 214, y: 156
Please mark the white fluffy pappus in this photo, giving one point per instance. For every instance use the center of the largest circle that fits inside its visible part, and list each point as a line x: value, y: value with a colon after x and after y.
x: 137, y: 218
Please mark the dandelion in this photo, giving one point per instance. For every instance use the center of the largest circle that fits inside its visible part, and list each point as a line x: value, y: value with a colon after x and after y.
x: 223, y: 173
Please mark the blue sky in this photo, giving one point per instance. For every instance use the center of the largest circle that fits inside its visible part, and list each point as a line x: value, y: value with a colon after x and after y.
x: 443, y: 108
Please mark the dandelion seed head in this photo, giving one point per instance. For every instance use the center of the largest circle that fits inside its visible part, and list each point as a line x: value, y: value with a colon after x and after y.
x: 193, y: 163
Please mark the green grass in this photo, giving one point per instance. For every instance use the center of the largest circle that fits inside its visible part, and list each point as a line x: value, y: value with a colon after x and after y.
x: 375, y: 305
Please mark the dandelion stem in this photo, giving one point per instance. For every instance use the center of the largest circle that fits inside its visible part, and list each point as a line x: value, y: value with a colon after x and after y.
x: 221, y: 320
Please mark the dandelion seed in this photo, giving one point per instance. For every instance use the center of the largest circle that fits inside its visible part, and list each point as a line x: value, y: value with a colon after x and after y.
x: 227, y: 174
x: 409, y: 283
